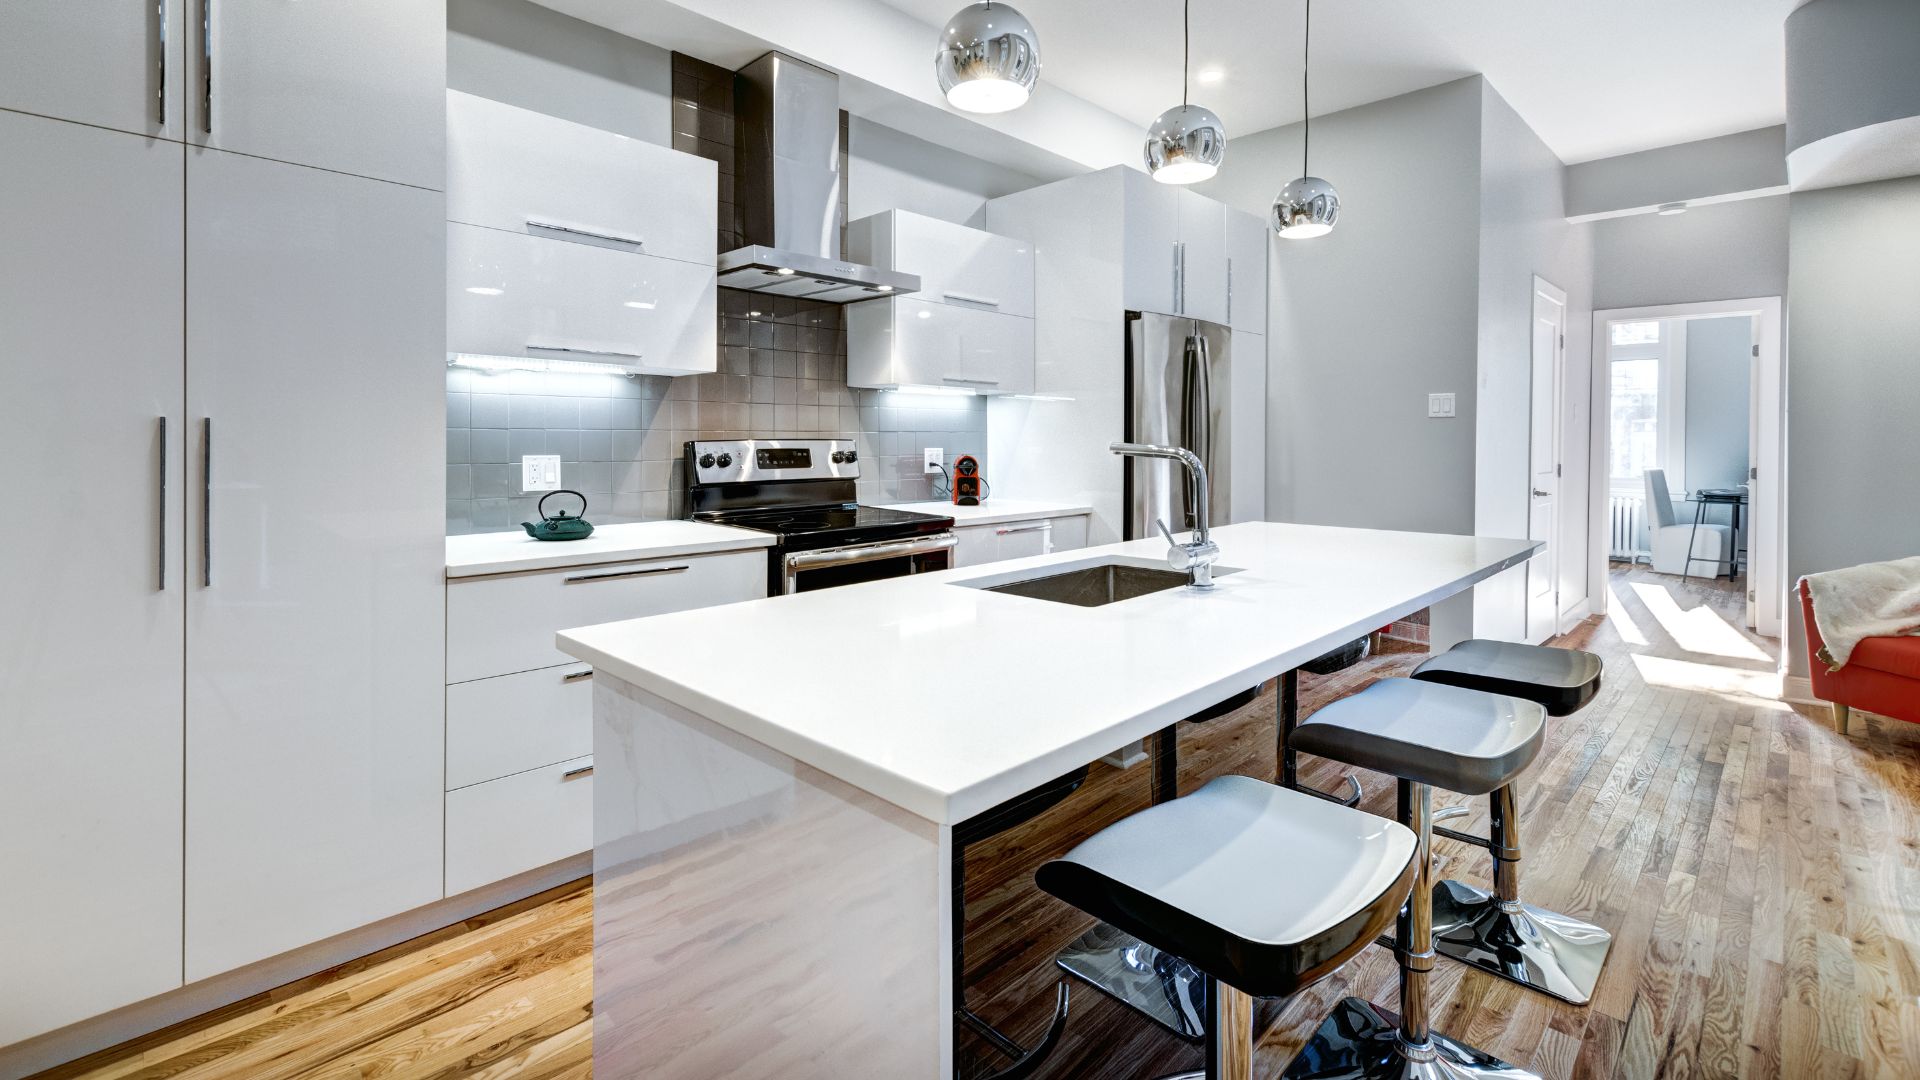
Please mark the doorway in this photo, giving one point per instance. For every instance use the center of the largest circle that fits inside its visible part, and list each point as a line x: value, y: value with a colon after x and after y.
x: 1687, y: 470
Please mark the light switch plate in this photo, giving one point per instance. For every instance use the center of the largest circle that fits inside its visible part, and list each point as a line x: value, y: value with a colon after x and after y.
x: 1439, y: 405
x: 934, y: 461
x: 540, y: 472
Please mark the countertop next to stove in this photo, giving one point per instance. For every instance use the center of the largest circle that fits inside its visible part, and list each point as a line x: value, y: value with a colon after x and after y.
x: 512, y: 552
x: 954, y: 698
x: 995, y: 511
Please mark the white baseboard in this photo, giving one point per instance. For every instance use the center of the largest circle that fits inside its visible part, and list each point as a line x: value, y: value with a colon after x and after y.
x: 1575, y: 615
x: 1798, y: 690
x: 175, y: 1006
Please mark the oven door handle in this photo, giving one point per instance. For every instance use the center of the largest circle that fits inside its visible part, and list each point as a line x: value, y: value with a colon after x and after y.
x: 858, y: 553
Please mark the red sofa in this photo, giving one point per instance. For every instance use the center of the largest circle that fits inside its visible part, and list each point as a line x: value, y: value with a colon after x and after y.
x: 1882, y: 676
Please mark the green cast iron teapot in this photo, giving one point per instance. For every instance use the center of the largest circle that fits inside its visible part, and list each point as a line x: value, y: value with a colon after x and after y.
x: 560, y: 526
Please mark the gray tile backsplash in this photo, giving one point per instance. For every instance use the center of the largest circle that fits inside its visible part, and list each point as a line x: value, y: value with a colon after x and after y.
x: 783, y: 373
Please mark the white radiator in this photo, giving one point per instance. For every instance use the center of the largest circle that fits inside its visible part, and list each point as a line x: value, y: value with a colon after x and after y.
x: 1628, y: 520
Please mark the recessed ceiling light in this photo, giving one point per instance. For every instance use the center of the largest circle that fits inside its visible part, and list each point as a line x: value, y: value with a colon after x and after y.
x: 1210, y: 75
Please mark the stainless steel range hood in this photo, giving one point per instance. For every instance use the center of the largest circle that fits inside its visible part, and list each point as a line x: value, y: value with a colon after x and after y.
x: 787, y: 185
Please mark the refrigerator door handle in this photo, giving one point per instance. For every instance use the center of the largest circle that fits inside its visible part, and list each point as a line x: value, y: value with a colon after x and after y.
x: 1193, y: 424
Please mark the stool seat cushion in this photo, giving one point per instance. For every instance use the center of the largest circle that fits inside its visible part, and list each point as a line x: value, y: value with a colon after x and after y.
x: 1561, y: 680
x: 1263, y: 888
x: 1431, y: 733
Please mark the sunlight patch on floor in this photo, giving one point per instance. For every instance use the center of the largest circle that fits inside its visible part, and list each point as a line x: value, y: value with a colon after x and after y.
x: 1701, y: 630
x: 1621, y: 621
x: 1737, y: 685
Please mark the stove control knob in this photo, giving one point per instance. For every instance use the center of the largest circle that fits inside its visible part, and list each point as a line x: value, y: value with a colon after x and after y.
x: 852, y: 456
x: 706, y: 461
x: 839, y: 457
x: 726, y: 460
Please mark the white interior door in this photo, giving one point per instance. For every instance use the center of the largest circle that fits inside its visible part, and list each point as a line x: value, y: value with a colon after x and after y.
x: 91, y: 645
x: 315, y: 628
x: 1549, y: 360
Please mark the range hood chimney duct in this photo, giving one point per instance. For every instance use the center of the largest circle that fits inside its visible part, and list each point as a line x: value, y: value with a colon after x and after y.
x: 787, y: 185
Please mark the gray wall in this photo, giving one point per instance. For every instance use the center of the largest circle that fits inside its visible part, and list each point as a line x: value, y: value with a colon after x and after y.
x: 1725, y: 165
x: 526, y: 55
x: 888, y: 169
x: 1724, y: 251
x: 1524, y: 232
x: 1386, y: 302
x: 1853, y: 331
x: 1850, y: 64
x: 1719, y: 374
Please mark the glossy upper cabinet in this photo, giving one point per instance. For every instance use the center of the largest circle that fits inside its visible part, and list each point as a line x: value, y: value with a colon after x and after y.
x: 356, y: 86
x: 92, y: 645
x: 112, y: 63
x: 1175, y: 250
x: 1247, y: 245
x: 956, y: 264
x: 514, y: 294
x: 523, y: 171
x: 315, y: 619
x: 1203, y: 257
x: 907, y: 342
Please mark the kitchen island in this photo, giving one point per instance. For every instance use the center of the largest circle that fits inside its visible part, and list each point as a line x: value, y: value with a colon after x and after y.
x: 777, y: 781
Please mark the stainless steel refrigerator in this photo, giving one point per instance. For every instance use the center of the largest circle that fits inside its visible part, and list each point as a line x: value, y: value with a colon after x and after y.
x: 1179, y: 375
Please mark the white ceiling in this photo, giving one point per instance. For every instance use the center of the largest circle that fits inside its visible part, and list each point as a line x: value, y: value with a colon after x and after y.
x: 1594, y: 78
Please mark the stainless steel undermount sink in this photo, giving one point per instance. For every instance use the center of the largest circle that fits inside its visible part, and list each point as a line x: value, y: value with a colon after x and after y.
x: 1097, y: 584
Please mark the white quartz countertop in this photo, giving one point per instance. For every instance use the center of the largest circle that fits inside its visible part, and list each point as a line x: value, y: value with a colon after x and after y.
x: 512, y: 552
x: 946, y: 700
x: 994, y: 511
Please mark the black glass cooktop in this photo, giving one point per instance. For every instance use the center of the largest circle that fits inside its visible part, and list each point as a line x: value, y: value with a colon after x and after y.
x: 802, y: 527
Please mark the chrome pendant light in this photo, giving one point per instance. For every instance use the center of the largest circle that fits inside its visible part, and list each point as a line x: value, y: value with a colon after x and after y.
x: 1185, y: 145
x: 988, y: 59
x: 1308, y: 206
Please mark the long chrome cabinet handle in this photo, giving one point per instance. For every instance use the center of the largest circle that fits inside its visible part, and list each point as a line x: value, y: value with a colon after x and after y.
x: 163, y: 504
x: 1176, y: 278
x: 645, y: 571
x: 206, y: 505
x: 577, y: 676
x: 971, y: 382
x: 160, y: 108
x: 583, y: 352
x: 1009, y: 530
x: 575, y: 774
x: 206, y: 64
x: 966, y: 298
x: 548, y: 226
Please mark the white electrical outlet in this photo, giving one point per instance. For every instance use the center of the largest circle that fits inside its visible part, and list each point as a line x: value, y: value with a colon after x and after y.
x: 1440, y: 405
x: 540, y: 472
x: 935, y: 460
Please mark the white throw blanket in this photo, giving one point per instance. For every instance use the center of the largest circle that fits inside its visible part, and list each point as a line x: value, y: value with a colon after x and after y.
x: 1875, y: 600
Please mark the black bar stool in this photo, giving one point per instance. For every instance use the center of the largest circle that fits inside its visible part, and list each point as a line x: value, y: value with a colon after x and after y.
x: 1262, y: 890
x: 1540, y: 949
x: 1427, y: 735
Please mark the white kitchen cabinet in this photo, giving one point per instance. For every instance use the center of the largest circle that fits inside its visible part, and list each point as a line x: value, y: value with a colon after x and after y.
x: 512, y: 723
x: 315, y: 693
x: 955, y: 264
x: 906, y: 341
x: 92, y: 644
x: 512, y: 294
x: 523, y: 171
x: 356, y: 86
x: 517, y: 823
x: 1247, y: 429
x: 115, y: 64
x: 993, y: 542
x: 1246, y: 272
x: 502, y: 624
x: 1174, y: 250
x: 1203, y: 257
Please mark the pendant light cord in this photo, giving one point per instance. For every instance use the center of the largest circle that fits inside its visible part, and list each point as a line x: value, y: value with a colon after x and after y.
x: 1186, y: 47
x: 1306, y: 108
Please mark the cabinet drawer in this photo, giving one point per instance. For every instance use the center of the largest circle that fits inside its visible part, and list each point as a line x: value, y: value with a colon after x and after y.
x: 517, y: 823
x: 510, y: 294
x: 501, y: 625
x: 526, y: 172
x: 511, y: 723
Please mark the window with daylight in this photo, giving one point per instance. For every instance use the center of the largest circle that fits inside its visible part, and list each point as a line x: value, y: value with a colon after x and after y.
x: 1646, y: 383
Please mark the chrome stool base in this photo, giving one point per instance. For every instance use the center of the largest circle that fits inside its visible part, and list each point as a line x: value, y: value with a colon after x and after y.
x: 1361, y: 1041
x: 1539, y: 949
x: 1160, y: 986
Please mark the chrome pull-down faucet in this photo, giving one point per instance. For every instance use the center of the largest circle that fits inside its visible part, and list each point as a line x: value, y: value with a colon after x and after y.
x: 1199, y: 553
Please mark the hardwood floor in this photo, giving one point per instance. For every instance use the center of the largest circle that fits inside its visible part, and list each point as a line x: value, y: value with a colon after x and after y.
x: 1761, y: 876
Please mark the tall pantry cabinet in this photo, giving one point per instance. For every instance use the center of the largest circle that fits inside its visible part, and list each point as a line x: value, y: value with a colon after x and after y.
x: 221, y: 666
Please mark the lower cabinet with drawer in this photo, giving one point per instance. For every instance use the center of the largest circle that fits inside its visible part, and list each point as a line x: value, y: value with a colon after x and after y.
x: 979, y: 544
x: 520, y: 712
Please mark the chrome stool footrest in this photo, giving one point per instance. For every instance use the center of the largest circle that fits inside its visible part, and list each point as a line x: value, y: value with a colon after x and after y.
x: 1361, y: 1041
x: 1539, y: 949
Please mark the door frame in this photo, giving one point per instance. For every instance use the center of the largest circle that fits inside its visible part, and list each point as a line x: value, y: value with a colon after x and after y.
x: 1547, y: 290
x: 1766, y: 512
